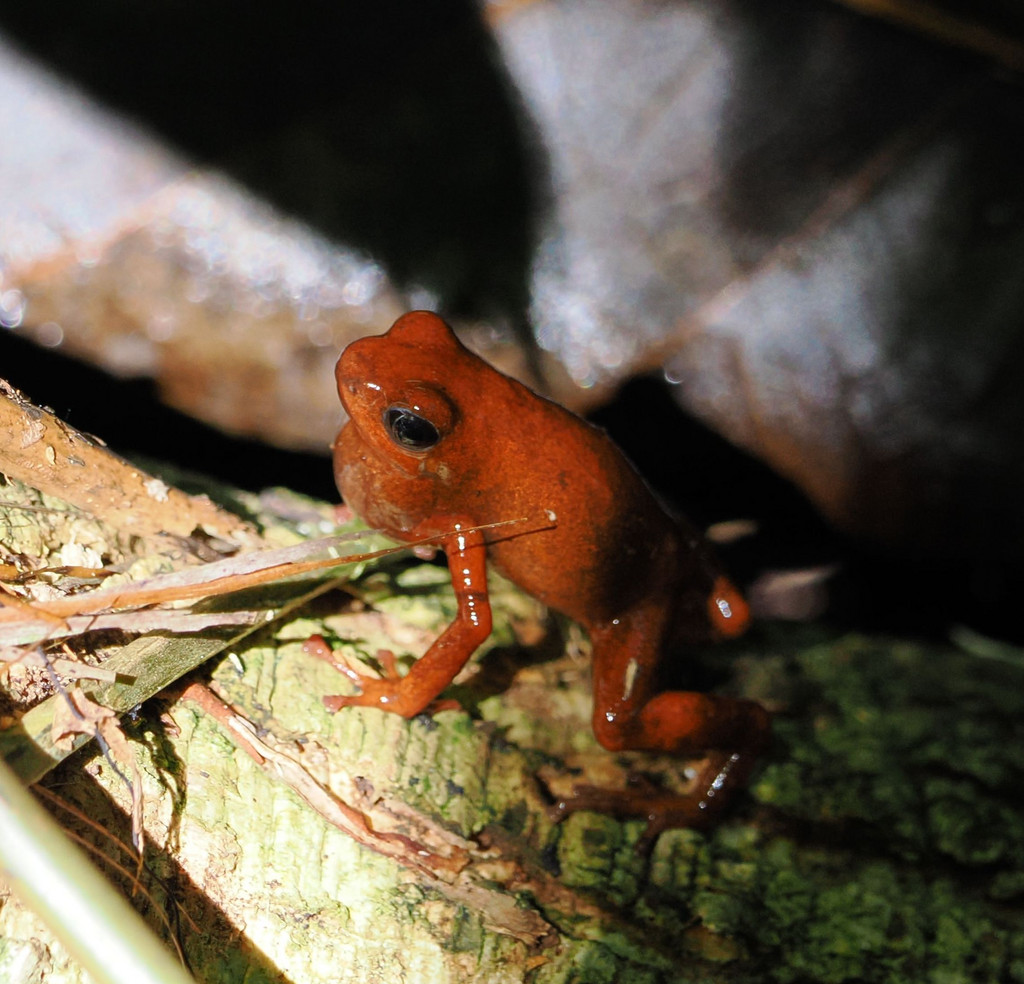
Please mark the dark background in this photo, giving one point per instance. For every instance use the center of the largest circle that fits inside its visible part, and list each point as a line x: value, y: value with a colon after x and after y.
x: 392, y: 127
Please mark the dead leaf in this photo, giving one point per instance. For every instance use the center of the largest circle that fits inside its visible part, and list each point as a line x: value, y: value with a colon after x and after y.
x: 77, y: 715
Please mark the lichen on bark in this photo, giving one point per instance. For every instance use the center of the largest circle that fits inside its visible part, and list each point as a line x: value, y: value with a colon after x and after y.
x: 881, y: 841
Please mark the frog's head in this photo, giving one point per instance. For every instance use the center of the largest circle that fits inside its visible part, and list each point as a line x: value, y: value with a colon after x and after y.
x: 394, y: 388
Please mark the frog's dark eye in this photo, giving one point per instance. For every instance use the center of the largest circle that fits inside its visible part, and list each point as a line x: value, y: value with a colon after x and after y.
x: 410, y: 430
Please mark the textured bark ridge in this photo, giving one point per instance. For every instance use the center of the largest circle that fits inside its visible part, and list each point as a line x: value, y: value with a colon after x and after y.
x: 882, y: 840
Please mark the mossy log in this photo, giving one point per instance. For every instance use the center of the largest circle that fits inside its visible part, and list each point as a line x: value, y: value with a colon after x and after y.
x: 883, y: 839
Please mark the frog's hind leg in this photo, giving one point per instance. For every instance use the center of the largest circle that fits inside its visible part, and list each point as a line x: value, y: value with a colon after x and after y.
x: 628, y: 714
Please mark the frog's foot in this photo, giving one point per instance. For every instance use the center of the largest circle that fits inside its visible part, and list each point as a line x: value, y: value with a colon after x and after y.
x: 664, y: 809
x: 316, y: 645
x: 383, y: 692
x: 374, y: 691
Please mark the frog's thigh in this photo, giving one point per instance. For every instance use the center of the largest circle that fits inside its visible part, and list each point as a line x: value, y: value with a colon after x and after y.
x: 629, y: 714
x: 626, y: 653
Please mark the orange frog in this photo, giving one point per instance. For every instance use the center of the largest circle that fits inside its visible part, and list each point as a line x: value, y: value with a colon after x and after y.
x: 440, y: 442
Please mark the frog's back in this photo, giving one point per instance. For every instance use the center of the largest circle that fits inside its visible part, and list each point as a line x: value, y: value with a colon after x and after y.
x: 610, y: 541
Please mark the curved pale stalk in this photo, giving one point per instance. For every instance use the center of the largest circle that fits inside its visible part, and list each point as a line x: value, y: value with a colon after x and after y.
x: 84, y: 911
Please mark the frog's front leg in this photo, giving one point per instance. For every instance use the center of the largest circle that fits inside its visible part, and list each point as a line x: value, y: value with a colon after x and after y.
x: 630, y: 715
x: 437, y: 667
